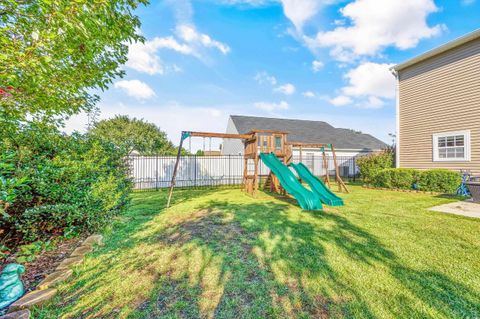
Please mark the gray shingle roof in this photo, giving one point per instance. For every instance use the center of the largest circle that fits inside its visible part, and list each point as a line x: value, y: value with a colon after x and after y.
x: 305, y: 131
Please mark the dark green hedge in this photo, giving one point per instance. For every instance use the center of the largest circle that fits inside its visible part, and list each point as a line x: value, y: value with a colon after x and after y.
x: 439, y: 180
x: 370, y: 165
x: 402, y: 178
x: 434, y: 180
x: 57, y: 184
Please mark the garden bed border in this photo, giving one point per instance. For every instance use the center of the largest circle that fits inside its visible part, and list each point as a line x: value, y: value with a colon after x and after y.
x: 45, y: 289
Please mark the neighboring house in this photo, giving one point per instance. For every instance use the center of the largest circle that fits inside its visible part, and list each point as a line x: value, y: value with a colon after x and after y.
x: 438, y: 107
x: 346, y: 142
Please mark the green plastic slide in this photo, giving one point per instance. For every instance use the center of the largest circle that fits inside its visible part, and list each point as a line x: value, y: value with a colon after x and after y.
x: 305, y: 198
x: 317, y: 185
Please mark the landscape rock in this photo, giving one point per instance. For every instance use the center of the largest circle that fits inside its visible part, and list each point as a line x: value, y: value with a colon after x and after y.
x: 21, y: 314
x: 33, y: 298
x: 93, y: 240
x: 70, y: 262
x: 81, y: 251
x: 54, y: 278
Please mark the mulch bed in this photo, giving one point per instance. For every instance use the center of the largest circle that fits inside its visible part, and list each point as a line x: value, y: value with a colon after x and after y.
x: 46, y: 262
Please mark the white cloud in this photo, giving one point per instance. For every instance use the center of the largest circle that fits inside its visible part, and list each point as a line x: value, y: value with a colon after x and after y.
x: 376, y: 24
x: 135, y: 88
x: 308, y: 94
x: 370, y: 79
x: 143, y: 57
x: 373, y: 102
x: 301, y: 11
x: 369, y: 85
x: 317, y: 65
x: 265, y: 78
x: 170, y: 43
x: 341, y: 100
x: 190, y: 35
x: 270, y: 106
x: 468, y: 2
x: 287, y: 89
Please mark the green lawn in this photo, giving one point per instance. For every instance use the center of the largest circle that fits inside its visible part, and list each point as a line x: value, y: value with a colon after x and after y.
x: 219, y: 253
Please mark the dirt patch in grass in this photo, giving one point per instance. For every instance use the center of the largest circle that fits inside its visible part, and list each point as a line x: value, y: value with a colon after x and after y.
x: 174, y: 299
x: 205, y: 225
x: 241, y: 280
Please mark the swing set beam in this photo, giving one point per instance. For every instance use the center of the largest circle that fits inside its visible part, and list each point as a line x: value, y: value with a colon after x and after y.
x: 220, y: 135
x: 187, y: 134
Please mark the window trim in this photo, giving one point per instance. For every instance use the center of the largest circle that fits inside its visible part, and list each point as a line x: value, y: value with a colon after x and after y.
x: 467, y: 146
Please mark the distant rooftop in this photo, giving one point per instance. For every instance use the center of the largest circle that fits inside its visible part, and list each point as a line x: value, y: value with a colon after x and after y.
x: 304, y: 131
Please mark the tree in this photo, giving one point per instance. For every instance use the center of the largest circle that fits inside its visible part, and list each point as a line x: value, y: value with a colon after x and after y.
x: 131, y: 134
x: 54, y: 53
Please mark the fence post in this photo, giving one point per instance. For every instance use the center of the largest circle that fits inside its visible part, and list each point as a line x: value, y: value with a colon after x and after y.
x: 156, y: 172
x: 313, y: 163
x: 194, y: 170
x: 230, y: 179
x: 354, y: 168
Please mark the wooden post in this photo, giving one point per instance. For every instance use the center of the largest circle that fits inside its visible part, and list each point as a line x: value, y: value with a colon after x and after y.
x: 325, y: 164
x: 300, y: 154
x: 245, y: 173
x: 337, y: 173
x: 255, y: 176
x: 172, y: 184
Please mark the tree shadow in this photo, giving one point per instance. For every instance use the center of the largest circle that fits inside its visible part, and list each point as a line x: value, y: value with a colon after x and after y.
x: 227, y: 281
x: 444, y: 296
x: 145, y: 207
x: 299, y: 250
x: 260, y: 259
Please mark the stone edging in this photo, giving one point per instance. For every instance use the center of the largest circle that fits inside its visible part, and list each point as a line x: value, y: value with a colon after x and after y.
x: 45, y: 289
x: 401, y: 190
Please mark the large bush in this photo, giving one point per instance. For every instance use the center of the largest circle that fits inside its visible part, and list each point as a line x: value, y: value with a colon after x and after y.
x: 370, y: 165
x: 68, y: 183
x: 403, y: 178
x: 439, y: 180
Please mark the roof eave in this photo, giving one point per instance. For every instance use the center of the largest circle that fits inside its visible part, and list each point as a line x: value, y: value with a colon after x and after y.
x: 443, y: 48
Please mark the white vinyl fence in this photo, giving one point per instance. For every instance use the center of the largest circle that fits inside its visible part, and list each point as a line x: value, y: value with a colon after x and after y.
x: 154, y: 172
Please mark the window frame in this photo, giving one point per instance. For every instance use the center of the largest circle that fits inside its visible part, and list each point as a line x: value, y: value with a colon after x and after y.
x: 466, y: 145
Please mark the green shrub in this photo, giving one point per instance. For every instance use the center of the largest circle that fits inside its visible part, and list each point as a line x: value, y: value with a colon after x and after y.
x: 439, y: 180
x: 403, y: 178
x: 69, y: 184
x: 370, y: 165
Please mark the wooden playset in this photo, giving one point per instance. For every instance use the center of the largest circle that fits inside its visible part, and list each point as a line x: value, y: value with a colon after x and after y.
x: 257, y: 142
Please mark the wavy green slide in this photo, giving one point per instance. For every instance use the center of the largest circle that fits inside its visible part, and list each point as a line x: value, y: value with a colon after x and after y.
x: 306, y: 199
x: 317, y: 185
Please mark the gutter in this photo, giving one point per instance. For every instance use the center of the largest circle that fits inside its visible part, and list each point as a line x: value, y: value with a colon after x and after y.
x: 397, y: 117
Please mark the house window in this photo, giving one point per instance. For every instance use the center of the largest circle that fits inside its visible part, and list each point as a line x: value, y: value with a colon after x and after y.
x: 451, y: 146
x: 278, y: 142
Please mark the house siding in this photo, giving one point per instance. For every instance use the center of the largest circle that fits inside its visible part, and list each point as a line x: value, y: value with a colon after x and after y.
x: 440, y: 94
x: 232, y: 146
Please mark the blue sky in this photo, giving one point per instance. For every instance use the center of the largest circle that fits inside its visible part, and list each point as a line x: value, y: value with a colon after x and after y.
x: 309, y: 59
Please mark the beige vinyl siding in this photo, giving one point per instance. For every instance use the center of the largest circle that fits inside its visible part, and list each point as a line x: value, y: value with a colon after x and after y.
x: 441, y: 94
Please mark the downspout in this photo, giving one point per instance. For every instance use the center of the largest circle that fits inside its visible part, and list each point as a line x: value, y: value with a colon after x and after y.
x: 397, y: 116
